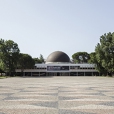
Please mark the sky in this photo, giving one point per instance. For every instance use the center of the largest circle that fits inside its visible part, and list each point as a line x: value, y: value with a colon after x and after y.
x: 45, y: 26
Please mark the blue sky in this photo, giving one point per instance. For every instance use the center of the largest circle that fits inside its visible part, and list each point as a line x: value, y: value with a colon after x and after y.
x: 45, y: 26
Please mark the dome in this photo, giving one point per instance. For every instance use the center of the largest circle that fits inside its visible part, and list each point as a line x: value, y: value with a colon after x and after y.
x: 58, y: 56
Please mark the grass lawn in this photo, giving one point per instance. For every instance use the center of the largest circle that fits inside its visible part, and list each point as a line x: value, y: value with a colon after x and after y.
x: 2, y: 77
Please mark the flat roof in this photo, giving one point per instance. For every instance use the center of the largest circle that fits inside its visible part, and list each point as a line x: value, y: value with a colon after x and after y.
x: 81, y: 65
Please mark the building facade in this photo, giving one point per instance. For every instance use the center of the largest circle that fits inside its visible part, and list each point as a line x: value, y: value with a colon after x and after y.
x: 58, y: 64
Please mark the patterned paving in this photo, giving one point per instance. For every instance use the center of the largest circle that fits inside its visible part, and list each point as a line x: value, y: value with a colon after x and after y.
x: 57, y: 95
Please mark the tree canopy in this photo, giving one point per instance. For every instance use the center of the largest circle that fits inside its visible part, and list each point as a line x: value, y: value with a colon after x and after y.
x: 105, y: 53
x: 25, y: 62
x: 39, y: 60
x: 9, y: 53
x: 80, y: 57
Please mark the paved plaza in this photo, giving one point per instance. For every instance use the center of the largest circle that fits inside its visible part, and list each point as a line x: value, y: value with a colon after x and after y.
x: 57, y: 95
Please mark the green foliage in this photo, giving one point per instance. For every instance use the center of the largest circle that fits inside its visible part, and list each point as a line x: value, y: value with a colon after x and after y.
x: 11, y: 58
x: 92, y: 58
x: 105, y: 53
x: 2, y: 65
x: 9, y: 54
x: 37, y: 60
x: 40, y: 59
x: 25, y: 62
x: 80, y: 57
x: 98, y: 66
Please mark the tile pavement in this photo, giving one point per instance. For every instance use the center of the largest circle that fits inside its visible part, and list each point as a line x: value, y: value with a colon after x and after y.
x: 57, y: 95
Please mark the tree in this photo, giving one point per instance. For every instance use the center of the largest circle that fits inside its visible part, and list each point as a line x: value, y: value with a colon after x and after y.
x: 93, y: 60
x: 25, y: 62
x: 9, y: 53
x: 80, y: 57
x: 2, y: 65
x: 37, y: 60
x: 105, y: 53
x: 41, y: 58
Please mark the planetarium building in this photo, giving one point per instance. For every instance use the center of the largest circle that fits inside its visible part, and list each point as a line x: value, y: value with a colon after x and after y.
x: 58, y: 64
